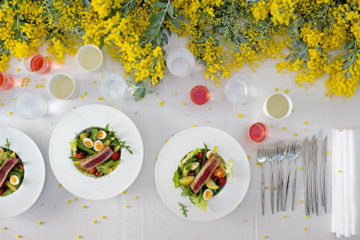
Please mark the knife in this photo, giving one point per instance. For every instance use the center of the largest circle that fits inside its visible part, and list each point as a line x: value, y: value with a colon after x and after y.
x: 323, y: 183
x: 304, y: 156
x: 315, y: 176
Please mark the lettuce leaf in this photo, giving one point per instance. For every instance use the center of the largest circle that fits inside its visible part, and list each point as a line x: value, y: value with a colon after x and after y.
x: 190, y: 155
x: 228, y: 166
x: 199, y: 201
x: 73, y: 145
x: 176, y: 179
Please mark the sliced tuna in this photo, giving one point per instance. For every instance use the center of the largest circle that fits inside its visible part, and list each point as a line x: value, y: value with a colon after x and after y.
x: 204, y: 173
x: 96, y: 159
x: 6, y: 168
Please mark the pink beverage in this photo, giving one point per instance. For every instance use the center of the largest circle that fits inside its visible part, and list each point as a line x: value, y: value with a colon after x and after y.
x: 38, y: 63
x: 258, y: 132
x: 200, y: 95
x: 6, y: 81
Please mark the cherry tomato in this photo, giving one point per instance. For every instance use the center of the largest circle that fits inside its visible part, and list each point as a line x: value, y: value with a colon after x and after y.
x: 92, y: 170
x: 97, y: 174
x: 21, y: 166
x: 222, y: 181
x: 219, y: 172
x: 115, y: 156
x: 79, y: 155
x: 200, y: 155
x: 1, y: 190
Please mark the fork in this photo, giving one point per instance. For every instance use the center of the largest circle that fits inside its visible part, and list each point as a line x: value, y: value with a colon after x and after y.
x: 271, y: 156
x: 292, y: 155
x: 261, y: 156
x: 280, y: 153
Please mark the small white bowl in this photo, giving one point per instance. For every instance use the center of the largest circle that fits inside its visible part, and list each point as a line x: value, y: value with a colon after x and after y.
x: 180, y: 62
x: 288, y: 101
x: 52, y: 85
x: 84, y: 54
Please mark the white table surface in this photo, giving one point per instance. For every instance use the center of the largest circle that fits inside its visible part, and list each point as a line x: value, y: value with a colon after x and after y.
x: 147, y: 217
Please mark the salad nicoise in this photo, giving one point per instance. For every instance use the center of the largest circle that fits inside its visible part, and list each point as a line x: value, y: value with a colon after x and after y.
x: 96, y: 151
x: 201, y: 175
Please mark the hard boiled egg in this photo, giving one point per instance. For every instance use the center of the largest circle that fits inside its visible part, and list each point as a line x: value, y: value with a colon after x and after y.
x: 101, y: 134
x: 209, y: 154
x: 88, y: 142
x: 98, y: 146
x: 1, y: 151
x: 208, y: 194
x: 14, y: 180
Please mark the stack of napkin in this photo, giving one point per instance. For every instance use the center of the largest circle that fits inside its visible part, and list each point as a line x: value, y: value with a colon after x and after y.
x: 345, y: 215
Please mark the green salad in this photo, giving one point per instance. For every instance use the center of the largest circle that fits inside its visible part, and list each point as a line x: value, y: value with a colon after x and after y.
x: 96, y: 151
x: 11, y: 170
x: 202, y: 174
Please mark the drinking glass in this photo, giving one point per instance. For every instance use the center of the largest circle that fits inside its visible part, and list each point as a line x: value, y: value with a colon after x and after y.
x: 200, y: 95
x: 6, y: 81
x: 238, y: 89
x: 180, y: 62
x: 113, y: 88
x: 38, y: 63
x: 89, y: 58
x: 258, y: 132
x: 30, y: 106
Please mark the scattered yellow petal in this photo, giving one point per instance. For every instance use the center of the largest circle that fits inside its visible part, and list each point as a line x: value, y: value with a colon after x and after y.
x: 127, y: 206
x: 284, y: 216
x: 41, y: 85
x: 102, y: 217
x: 266, y: 188
x: 84, y: 206
x: 238, y: 205
x: 94, y: 82
x: 259, y: 164
x: 249, y: 157
x: 124, y: 192
x: 295, y: 134
x: 307, y: 216
x: 306, y: 122
x: 2, y: 104
x: 175, y: 93
x: 136, y: 197
x: 271, y: 126
x: 75, y: 199
x: 85, y: 93
x: 18, y: 236
x: 19, y: 59
x: 41, y: 204
x: 166, y: 141
x: 4, y: 228
x: 17, y: 69
x: 36, y: 86
x: 305, y: 129
x: 81, y: 96
x: 301, y: 168
x: 275, y: 188
x: 194, y: 125
x: 10, y: 113
x: 276, y: 89
x: 183, y: 104
x: 265, y: 236
x: 60, y: 185
x: 100, y: 98
x: 284, y: 128
x: 208, y: 108
x: 101, y: 76
x: 162, y: 102
x: 327, y: 153
x: 286, y: 91
x: 68, y: 201
x: 43, y: 79
x: 40, y: 223
x: 94, y: 221
x: 240, y: 115
x: 156, y: 158
x: 305, y: 228
x: 340, y: 171
x: 78, y: 236
x: 300, y: 201
x: 292, y: 110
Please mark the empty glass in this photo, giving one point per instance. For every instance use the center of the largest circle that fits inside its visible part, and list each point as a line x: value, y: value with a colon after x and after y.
x: 113, y: 88
x: 238, y: 89
x: 180, y: 62
x: 30, y: 106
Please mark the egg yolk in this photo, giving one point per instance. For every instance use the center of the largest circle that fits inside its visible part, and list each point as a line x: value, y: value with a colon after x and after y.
x: 98, y: 146
x: 100, y: 134
x: 13, y: 179
x: 1, y: 151
x: 208, y: 194
x: 88, y: 143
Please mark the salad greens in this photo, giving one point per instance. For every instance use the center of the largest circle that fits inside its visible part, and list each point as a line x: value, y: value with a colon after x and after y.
x: 183, y: 208
x: 190, y: 166
x: 15, y: 177
x: 93, y: 140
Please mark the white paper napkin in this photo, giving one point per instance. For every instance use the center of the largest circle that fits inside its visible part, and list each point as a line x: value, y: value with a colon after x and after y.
x: 345, y: 215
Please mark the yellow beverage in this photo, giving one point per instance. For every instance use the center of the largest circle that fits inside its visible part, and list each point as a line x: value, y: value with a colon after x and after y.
x: 90, y: 58
x: 62, y: 86
x: 277, y: 106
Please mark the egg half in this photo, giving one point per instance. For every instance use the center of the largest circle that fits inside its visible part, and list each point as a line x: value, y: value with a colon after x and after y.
x: 88, y: 142
x: 98, y: 146
x: 101, y: 134
x: 209, y: 154
x: 14, y: 180
x: 1, y: 151
x: 208, y: 194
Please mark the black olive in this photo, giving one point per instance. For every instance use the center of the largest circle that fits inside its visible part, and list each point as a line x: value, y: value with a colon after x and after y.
x: 191, y: 173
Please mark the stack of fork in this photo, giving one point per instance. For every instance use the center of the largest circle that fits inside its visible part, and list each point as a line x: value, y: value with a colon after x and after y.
x: 282, y: 155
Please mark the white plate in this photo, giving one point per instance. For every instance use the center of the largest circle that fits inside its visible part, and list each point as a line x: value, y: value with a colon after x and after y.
x: 34, y: 176
x: 185, y: 141
x: 72, y: 179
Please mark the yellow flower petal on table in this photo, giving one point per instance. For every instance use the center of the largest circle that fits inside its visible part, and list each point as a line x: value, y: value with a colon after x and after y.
x: 307, y: 216
x: 10, y: 113
x: 102, y: 217
x: 41, y: 85
x: 136, y: 197
x: 75, y: 199
x: 265, y: 236
x: 276, y: 89
x: 284, y: 217
x: 305, y: 228
x: 84, y: 206
x: 17, y: 69
x: 240, y: 115
x: 82, y: 97
x: 248, y: 157
x: 101, y: 76
x: 301, y: 168
x: 300, y: 201
x: 4, y: 228
x: 266, y: 188
x: 100, y: 98
x: 305, y: 129
x: 306, y: 122
x: 78, y: 236
x: 286, y: 91
x: 275, y: 188
x: 295, y: 134
x: 340, y: 171
x: 60, y: 185
x: 327, y: 153
x: 166, y: 141
x: 124, y: 192
x: 94, y: 221
x: 2, y: 104
x: 43, y: 79
x: 85, y: 93
x: 126, y: 206
x: 183, y: 104
x: 94, y: 82
x: 162, y: 103
x: 18, y: 236
x: 271, y: 126
x: 284, y: 128
x: 259, y: 164
x: 175, y: 93
x: 194, y: 125
x: 68, y: 201
x: 156, y: 158
x: 36, y: 86
x: 40, y: 223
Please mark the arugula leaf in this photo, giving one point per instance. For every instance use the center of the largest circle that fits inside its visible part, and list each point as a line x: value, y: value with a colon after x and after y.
x: 183, y: 209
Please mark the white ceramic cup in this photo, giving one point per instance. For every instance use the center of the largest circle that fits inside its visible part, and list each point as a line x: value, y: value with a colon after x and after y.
x: 62, y: 86
x: 89, y: 58
x: 289, y: 104
x: 180, y: 62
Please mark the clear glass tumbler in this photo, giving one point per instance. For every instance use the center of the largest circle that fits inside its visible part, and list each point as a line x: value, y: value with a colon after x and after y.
x: 113, y: 88
x: 180, y: 62
x: 238, y: 89
x: 30, y: 106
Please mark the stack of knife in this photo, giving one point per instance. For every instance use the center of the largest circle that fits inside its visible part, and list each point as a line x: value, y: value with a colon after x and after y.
x: 314, y: 153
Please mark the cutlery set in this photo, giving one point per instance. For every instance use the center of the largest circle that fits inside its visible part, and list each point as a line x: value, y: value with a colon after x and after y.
x: 282, y: 157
